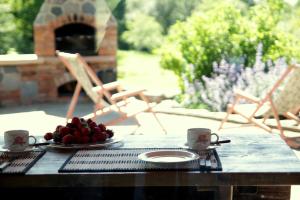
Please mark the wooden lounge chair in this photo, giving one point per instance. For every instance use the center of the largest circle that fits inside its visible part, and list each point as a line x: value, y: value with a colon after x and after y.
x: 286, y: 102
x: 127, y: 103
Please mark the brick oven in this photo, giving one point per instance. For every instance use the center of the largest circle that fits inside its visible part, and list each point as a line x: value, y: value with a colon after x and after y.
x: 76, y: 26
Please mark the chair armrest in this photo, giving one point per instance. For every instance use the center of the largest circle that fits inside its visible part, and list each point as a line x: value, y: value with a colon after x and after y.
x: 111, y: 85
x: 107, y: 86
x: 126, y: 94
x: 247, y: 96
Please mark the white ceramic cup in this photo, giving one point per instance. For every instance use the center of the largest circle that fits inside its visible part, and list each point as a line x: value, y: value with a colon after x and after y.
x: 17, y: 140
x: 199, y: 138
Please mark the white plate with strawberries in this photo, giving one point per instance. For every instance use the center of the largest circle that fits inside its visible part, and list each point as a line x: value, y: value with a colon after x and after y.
x: 107, y: 143
x: 81, y: 134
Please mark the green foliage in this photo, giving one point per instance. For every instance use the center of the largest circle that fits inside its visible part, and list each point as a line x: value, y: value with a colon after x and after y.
x: 143, y: 37
x: 21, y: 15
x: 7, y: 28
x: 167, y: 12
x: 159, y: 15
x: 134, y: 7
x: 25, y: 12
x: 227, y: 31
x: 118, y: 10
x: 113, y: 4
x: 136, y: 11
x: 17, y: 18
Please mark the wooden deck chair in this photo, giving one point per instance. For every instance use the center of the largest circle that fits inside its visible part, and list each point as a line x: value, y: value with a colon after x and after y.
x: 127, y: 103
x: 286, y: 102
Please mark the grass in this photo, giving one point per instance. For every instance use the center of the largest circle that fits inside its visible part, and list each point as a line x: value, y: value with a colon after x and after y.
x: 139, y: 69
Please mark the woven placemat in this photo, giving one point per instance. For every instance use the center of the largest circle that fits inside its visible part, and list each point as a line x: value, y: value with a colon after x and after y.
x: 125, y: 160
x: 18, y: 163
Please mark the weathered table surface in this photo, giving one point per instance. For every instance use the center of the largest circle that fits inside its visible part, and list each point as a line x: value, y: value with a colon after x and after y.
x: 256, y: 159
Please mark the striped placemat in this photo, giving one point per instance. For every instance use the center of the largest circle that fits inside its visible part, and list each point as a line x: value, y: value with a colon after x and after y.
x: 18, y: 163
x: 123, y: 160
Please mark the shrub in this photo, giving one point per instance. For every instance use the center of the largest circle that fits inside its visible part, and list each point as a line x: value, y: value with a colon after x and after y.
x: 144, y: 32
x: 7, y: 28
x: 227, y: 32
x: 218, y: 90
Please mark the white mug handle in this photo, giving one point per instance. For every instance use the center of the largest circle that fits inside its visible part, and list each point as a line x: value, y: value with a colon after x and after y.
x: 217, y: 137
x: 33, y: 139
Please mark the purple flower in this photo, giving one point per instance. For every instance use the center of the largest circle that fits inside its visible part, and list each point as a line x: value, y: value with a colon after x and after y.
x: 217, y: 90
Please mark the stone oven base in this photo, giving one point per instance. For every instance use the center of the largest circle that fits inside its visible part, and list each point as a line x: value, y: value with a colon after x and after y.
x: 27, y: 79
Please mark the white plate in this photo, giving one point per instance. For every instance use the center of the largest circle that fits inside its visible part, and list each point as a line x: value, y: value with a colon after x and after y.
x: 107, y: 143
x: 168, y: 156
x: 185, y: 146
x: 28, y: 149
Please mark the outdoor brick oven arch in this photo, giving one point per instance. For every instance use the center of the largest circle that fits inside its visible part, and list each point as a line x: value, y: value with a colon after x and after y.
x: 57, y: 16
x: 108, y: 46
x: 36, y: 77
x: 48, y: 31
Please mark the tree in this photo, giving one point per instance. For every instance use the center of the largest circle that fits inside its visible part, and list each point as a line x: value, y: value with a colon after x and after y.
x: 8, y: 28
x: 24, y: 12
x: 118, y: 10
x: 143, y: 37
x: 167, y: 12
x: 226, y: 31
x: 159, y: 16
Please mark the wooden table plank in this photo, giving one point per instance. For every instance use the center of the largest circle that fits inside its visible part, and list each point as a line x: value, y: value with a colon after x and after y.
x: 259, y: 159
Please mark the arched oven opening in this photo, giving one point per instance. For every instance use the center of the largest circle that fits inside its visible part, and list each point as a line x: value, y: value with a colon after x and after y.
x: 76, y: 38
x: 66, y: 89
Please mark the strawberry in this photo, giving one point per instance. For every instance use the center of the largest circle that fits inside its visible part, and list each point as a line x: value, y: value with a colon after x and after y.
x: 102, y: 127
x: 75, y: 121
x: 58, y: 127
x: 92, y: 124
x: 56, y: 136
x: 64, y: 131
x: 96, y: 130
x: 85, y: 139
x: 89, y: 121
x: 79, y: 126
x: 77, y: 133
x: 72, y: 130
x: 48, y: 136
x: 85, y: 131
x: 101, y: 137
x: 110, y: 133
x: 80, y: 130
x: 94, y: 139
x: 68, y: 139
x: 77, y: 137
x: 70, y: 125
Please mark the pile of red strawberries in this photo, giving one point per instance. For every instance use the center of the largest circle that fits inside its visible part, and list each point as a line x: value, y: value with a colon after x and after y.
x: 80, y: 131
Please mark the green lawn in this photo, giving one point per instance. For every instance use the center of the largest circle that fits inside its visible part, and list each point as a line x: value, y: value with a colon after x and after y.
x: 138, y: 69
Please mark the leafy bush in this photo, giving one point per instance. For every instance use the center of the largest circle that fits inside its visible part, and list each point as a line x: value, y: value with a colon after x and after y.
x: 144, y: 32
x: 147, y: 21
x: 7, y: 28
x: 226, y: 31
x: 218, y: 90
x: 24, y: 13
x: 165, y: 12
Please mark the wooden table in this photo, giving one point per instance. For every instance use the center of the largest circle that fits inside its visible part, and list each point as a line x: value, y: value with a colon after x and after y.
x: 249, y: 160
